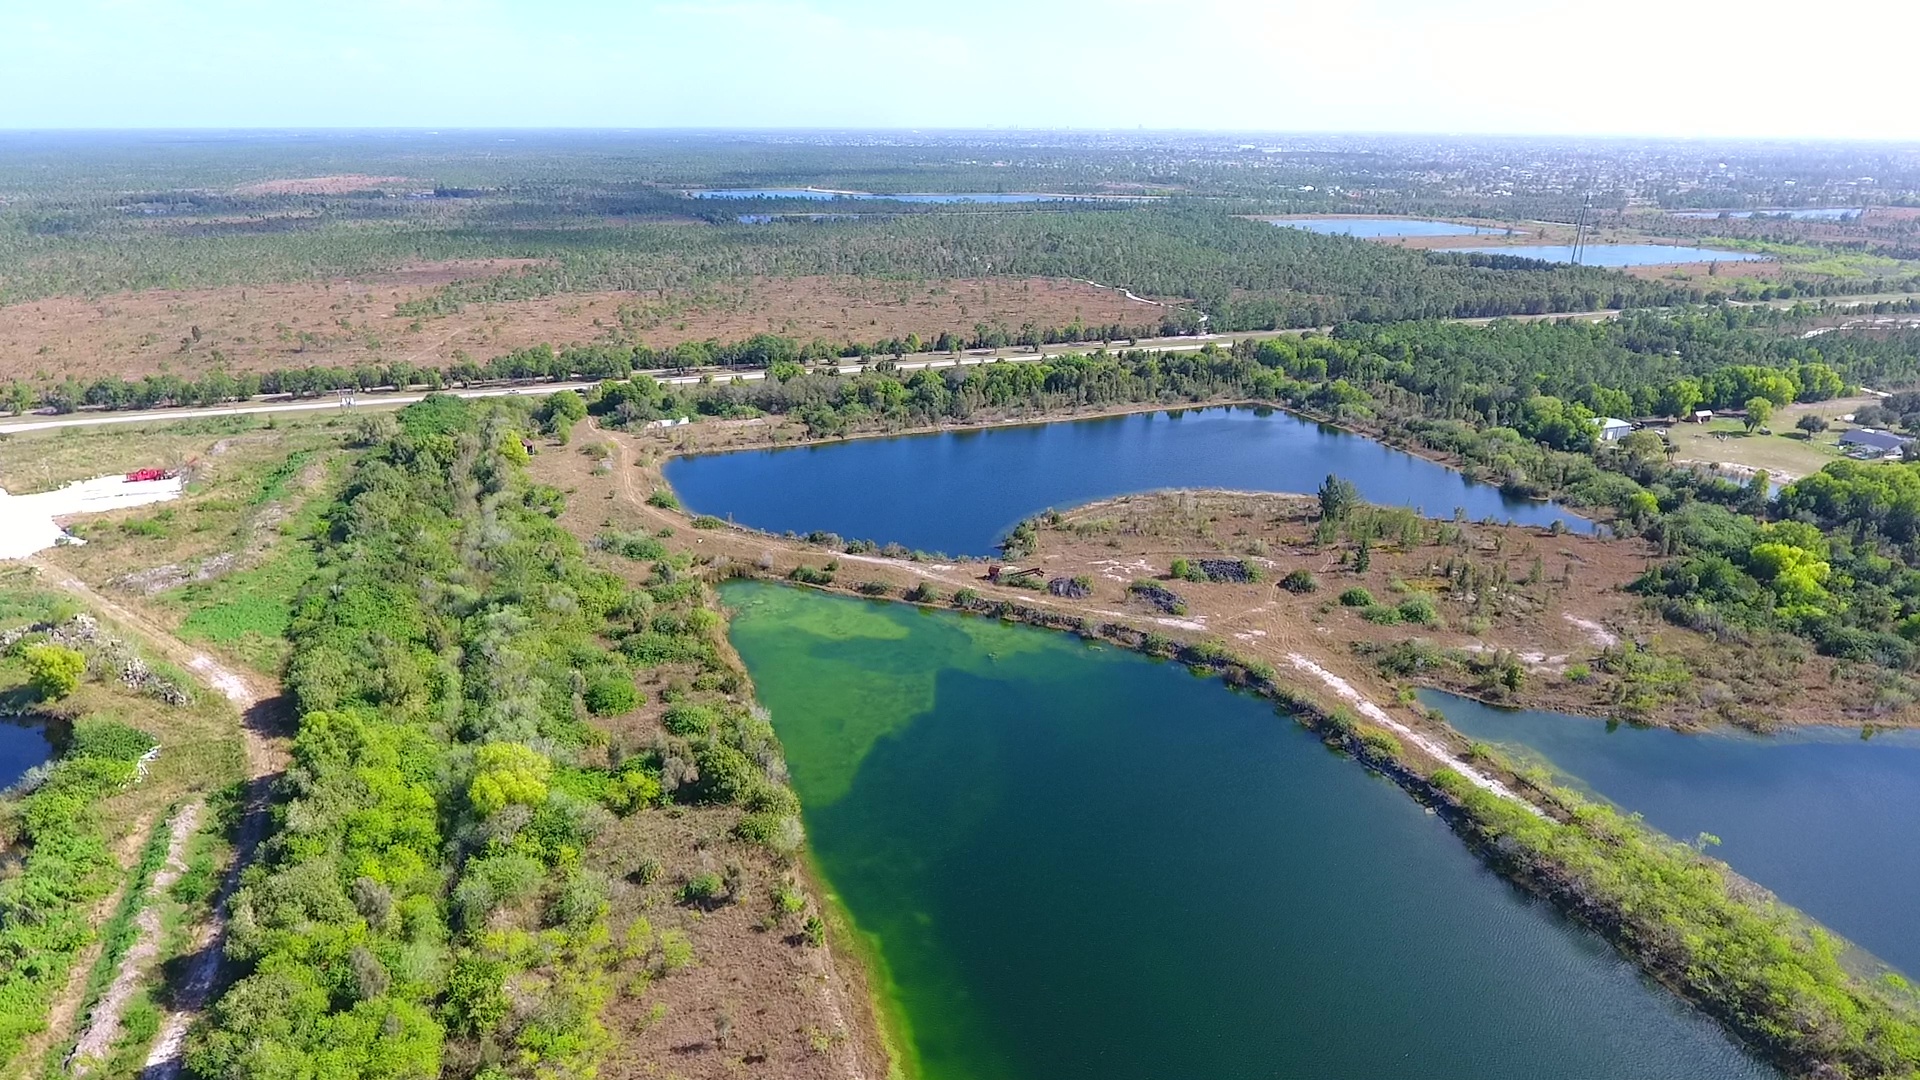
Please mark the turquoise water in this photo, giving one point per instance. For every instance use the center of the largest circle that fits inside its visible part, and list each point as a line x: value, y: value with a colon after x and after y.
x: 1377, y: 227
x: 959, y: 492
x: 1615, y: 255
x: 1075, y: 862
x: 1822, y: 817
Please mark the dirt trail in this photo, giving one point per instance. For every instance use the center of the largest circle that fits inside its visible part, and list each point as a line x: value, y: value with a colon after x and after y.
x: 62, y: 1012
x: 103, y: 1024
x: 257, y: 700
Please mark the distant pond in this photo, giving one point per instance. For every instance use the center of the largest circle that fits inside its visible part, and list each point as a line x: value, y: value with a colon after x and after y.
x: 1613, y: 255
x: 1368, y: 228
x: 960, y: 492
x: 1076, y: 863
x: 1827, y: 820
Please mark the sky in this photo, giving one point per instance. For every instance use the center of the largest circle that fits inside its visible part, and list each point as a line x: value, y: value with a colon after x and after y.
x: 1687, y: 68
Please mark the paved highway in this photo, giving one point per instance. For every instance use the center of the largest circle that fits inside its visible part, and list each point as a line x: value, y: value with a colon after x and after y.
x: 914, y: 362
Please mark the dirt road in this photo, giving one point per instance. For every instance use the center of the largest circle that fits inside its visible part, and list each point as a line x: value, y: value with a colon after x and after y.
x: 260, y: 706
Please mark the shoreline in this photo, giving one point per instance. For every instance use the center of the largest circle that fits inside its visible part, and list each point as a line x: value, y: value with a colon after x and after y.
x: 1600, y: 870
x: 1590, y: 515
x: 1454, y: 792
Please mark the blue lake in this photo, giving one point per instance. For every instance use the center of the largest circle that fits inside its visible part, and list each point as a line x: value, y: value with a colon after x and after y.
x: 768, y: 219
x: 1827, y: 820
x: 22, y: 746
x: 1811, y: 213
x: 1615, y: 255
x: 905, y: 197
x: 1379, y: 227
x: 959, y: 492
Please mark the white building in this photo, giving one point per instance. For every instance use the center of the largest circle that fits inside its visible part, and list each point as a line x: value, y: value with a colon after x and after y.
x: 1612, y: 430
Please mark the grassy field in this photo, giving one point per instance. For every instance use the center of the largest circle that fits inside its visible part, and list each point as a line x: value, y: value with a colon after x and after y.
x: 221, y: 565
x: 44, y: 460
x: 1787, y: 454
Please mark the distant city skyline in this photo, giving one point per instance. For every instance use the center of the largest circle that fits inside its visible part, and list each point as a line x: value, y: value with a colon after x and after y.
x: 1662, y: 68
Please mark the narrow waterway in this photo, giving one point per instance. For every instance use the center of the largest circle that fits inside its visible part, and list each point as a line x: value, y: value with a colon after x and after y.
x: 959, y: 492
x: 1075, y: 862
x: 1824, y: 818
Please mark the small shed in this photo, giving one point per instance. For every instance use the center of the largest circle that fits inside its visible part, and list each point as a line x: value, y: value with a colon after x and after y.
x: 1701, y: 416
x: 1612, y: 429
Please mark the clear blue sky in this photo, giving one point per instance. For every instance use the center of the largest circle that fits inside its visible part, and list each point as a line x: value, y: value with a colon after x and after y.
x: 1655, y: 67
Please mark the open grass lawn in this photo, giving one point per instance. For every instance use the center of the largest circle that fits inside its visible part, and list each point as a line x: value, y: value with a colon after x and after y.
x: 1785, y: 456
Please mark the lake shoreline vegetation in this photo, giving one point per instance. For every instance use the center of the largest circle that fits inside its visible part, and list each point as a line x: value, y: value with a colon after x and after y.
x: 1786, y: 986
x: 1513, y: 405
x: 433, y: 900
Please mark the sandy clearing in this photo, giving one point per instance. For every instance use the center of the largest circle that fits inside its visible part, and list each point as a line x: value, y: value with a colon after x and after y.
x: 27, y: 521
x: 1432, y: 747
x: 1602, y: 636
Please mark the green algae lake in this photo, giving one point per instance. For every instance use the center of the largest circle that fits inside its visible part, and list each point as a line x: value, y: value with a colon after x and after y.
x: 1072, y: 861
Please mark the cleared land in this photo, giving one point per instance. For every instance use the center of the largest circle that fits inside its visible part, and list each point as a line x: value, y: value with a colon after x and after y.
x: 343, y: 323
x: 1787, y: 454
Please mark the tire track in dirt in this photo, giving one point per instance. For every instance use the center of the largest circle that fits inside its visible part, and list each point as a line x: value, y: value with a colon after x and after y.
x: 260, y: 707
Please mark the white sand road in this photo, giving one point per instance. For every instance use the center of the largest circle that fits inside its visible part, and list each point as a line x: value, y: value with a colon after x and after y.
x: 27, y: 522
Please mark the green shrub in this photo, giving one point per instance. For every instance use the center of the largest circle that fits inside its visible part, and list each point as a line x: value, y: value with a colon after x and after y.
x: 702, y: 889
x: 1418, y: 608
x: 110, y: 740
x: 807, y: 575
x: 676, y: 951
x: 1380, y: 744
x: 1382, y: 614
x: 1299, y: 581
x: 663, y: 499
x: 634, y: 545
x: 708, y: 521
x: 54, y: 671
x: 611, y: 695
x: 874, y: 588
x: 777, y: 832
x: 1356, y: 597
x: 691, y: 721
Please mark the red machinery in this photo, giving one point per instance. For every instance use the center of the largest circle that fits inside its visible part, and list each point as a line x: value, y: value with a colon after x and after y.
x: 138, y: 475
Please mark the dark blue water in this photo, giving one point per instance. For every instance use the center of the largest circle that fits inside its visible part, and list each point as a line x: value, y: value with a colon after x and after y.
x: 959, y: 492
x: 1825, y: 819
x: 1617, y: 254
x: 22, y: 746
x: 906, y: 197
x: 1812, y: 213
x: 1375, y: 227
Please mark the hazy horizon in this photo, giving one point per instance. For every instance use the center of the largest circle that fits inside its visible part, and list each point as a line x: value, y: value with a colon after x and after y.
x: 1691, y: 69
